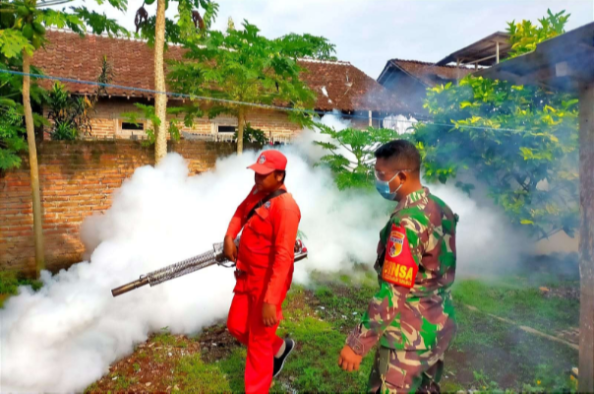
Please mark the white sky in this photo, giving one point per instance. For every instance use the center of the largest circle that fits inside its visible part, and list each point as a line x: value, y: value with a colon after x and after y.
x: 367, y: 33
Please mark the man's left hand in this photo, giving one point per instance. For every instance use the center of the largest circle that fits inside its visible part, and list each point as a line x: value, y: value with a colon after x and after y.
x: 349, y: 360
x: 269, y: 315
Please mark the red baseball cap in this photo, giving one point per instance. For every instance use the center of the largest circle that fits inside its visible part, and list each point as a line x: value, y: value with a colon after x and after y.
x: 269, y: 161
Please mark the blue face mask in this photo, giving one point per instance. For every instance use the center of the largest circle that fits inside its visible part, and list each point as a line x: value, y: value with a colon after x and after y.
x: 383, y: 187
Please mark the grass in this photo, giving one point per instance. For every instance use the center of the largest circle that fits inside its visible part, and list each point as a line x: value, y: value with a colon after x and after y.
x: 315, y: 369
x: 509, y: 357
x: 517, y: 301
x: 10, y: 282
x: 487, y: 355
x: 195, y: 376
x: 313, y: 366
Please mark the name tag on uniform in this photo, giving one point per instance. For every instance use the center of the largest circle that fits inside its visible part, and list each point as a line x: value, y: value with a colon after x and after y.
x: 399, y: 265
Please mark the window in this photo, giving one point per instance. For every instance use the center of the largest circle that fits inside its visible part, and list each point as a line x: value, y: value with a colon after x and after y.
x: 133, y: 126
x: 227, y: 129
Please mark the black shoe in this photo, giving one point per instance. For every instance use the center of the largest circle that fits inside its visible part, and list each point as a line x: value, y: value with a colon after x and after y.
x: 279, y: 363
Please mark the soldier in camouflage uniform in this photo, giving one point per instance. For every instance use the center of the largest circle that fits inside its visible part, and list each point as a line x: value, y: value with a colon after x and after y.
x: 411, y: 316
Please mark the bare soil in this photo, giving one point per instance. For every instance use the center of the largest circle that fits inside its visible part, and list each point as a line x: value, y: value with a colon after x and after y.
x: 149, y: 369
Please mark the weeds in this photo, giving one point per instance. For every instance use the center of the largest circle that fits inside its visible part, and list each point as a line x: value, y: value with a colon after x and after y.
x: 487, y: 355
x: 10, y: 282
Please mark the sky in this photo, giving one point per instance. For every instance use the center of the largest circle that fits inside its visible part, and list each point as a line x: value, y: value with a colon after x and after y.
x: 368, y: 33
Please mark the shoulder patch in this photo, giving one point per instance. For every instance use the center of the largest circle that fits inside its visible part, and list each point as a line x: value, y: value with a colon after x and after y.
x: 399, y: 265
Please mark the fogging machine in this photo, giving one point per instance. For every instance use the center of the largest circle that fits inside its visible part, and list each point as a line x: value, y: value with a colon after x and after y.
x: 214, y: 257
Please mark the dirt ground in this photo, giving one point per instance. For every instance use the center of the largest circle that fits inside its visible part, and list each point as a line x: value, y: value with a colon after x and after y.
x: 488, y: 354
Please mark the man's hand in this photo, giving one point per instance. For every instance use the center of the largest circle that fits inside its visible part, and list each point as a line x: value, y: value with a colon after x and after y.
x: 229, y: 249
x: 349, y: 360
x: 269, y: 315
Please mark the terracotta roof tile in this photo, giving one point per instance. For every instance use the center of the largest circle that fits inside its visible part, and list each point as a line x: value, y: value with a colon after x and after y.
x: 338, y: 85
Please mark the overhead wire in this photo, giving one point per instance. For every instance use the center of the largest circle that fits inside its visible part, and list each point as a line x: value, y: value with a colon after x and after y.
x: 244, y: 103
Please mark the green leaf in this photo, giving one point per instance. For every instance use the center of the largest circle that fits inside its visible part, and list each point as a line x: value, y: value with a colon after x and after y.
x: 326, y: 145
x: 13, y: 43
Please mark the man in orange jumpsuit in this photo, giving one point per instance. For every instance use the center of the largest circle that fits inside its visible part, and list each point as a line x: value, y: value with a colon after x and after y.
x: 269, y: 218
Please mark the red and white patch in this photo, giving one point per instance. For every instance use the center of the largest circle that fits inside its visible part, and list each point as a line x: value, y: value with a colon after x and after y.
x: 399, y: 266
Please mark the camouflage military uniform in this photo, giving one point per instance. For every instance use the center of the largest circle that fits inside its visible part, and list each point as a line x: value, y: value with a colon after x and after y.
x: 414, y: 326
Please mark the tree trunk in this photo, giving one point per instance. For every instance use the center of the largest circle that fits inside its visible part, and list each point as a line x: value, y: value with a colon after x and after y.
x: 37, y: 213
x: 586, y: 248
x: 241, y: 121
x: 161, y: 98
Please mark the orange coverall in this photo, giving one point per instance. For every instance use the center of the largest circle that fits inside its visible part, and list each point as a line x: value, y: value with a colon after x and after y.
x: 265, y: 261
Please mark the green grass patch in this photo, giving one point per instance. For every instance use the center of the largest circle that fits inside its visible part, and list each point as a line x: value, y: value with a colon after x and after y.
x: 519, y: 302
x: 313, y: 366
x: 233, y: 367
x: 164, y: 338
x: 10, y: 282
x: 196, y: 376
x: 123, y: 382
x: 486, y: 355
x: 490, y: 355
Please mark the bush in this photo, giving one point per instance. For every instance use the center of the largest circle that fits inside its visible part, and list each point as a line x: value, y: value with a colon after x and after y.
x: 252, y: 135
x: 69, y: 114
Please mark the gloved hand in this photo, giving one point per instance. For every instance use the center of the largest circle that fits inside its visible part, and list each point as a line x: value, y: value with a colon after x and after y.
x: 349, y: 360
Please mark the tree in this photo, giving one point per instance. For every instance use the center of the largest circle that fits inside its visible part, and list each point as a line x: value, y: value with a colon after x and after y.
x: 520, y: 142
x: 23, y: 32
x: 245, y: 69
x: 159, y: 30
x: 351, y: 157
x: 12, y: 126
x: 524, y: 36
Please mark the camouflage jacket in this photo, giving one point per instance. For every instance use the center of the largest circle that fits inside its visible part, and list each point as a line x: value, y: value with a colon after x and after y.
x: 414, y: 318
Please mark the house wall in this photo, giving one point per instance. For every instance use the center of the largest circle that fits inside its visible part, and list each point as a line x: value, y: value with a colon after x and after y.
x: 108, y: 114
x: 77, y: 180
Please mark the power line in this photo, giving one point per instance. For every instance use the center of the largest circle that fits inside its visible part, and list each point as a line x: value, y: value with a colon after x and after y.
x: 51, y: 3
x: 243, y: 103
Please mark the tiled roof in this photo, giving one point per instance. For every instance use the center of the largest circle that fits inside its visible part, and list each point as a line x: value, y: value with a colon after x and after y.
x: 338, y: 85
x: 428, y: 73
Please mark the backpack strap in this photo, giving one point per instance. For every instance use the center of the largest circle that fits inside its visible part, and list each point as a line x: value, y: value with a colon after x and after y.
x: 263, y: 201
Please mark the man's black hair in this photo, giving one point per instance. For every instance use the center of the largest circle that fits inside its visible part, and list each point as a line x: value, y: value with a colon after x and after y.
x: 404, y: 152
x: 284, y: 175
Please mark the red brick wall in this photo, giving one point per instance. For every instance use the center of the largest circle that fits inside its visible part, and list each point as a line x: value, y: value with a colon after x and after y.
x: 107, y: 115
x: 77, y: 179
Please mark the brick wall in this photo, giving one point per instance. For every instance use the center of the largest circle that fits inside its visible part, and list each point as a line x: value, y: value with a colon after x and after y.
x: 108, y: 114
x: 77, y: 179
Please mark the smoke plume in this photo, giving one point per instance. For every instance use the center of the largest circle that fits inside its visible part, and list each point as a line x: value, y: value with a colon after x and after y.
x: 64, y: 336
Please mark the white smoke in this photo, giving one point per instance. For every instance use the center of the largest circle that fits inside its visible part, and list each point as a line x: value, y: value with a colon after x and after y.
x: 64, y: 337
x: 399, y: 123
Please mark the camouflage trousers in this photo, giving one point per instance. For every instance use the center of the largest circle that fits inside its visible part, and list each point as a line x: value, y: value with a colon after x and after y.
x: 406, y: 371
